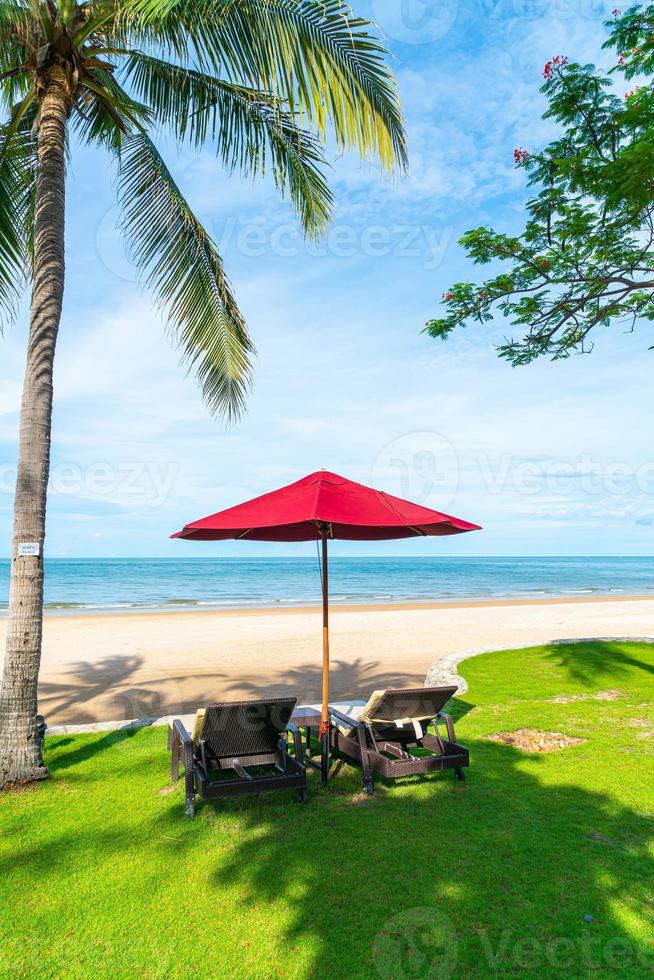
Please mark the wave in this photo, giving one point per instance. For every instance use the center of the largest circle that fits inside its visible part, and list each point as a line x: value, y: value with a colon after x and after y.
x: 170, y: 585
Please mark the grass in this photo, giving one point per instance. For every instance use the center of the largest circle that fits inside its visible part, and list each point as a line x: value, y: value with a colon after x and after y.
x: 101, y: 874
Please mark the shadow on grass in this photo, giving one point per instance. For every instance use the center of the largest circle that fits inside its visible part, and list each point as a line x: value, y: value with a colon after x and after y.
x: 430, y: 878
x: 497, y: 874
x: 92, y: 748
x: 591, y: 663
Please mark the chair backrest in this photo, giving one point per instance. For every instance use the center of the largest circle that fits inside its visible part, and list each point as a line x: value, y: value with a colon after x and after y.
x: 411, y: 704
x: 234, y: 729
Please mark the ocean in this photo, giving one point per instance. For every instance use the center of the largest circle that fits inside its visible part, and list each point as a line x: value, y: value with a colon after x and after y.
x: 124, y: 584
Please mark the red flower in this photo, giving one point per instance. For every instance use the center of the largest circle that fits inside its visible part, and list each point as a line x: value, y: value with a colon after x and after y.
x: 560, y: 61
x: 615, y: 12
x: 520, y: 156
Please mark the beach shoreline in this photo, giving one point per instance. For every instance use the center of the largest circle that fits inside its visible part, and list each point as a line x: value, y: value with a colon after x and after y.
x: 104, y: 586
x: 404, y: 605
x: 99, y: 668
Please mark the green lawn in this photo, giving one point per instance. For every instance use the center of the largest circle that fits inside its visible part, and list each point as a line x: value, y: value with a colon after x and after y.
x: 102, y: 874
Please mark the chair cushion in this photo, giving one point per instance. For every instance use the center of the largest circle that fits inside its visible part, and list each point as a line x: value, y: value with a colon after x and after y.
x: 366, y: 713
x: 198, y: 725
x: 352, y: 711
x: 404, y: 707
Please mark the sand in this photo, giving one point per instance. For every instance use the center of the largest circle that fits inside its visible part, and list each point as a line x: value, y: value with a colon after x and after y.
x: 101, y: 668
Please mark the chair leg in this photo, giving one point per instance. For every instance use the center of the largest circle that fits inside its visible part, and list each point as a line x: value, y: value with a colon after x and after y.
x: 297, y: 745
x: 368, y: 785
x: 459, y: 774
x: 173, y: 744
x: 189, y: 781
x: 324, y: 759
x: 303, y: 794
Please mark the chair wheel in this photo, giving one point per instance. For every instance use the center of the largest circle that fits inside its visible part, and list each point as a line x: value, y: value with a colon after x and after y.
x: 459, y: 774
x: 368, y: 787
x: 190, y: 809
x: 303, y: 793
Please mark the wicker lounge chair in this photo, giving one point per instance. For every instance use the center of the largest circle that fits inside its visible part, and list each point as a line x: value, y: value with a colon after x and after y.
x: 392, y: 723
x: 230, y: 738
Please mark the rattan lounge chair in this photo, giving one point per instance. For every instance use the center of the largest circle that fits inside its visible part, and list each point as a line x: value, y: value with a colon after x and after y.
x: 393, y: 723
x: 230, y: 738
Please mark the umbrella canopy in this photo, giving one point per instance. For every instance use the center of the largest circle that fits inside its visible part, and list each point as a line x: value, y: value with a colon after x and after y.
x: 318, y: 507
x: 324, y: 505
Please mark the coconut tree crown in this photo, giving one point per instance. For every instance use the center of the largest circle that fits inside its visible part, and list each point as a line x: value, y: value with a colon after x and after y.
x: 262, y: 81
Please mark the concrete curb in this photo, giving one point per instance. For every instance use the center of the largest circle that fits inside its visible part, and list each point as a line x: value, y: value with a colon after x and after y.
x: 110, y: 726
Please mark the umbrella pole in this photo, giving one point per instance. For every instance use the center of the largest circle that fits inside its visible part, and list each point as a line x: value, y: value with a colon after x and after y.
x: 324, y: 717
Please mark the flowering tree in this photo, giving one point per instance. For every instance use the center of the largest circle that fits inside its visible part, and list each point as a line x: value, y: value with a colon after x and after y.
x: 584, y: 258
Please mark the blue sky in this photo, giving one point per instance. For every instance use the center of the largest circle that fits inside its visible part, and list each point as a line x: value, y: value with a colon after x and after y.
x: 551, y: 459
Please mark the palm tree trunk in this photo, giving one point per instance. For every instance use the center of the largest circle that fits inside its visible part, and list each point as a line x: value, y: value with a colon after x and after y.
x: 20, y: 756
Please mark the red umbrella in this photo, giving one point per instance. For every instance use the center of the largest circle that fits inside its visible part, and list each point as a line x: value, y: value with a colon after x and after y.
x: 318, y: 507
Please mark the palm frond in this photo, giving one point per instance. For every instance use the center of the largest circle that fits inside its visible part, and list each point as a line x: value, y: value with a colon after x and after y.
x: 250, y: 129
x: 179, y: 262
x: 14, y: 88
x: 107, y: 111
x: 13, y: 50
x: 15, y: 17
x: 17, y: 184
x: 315, y: 55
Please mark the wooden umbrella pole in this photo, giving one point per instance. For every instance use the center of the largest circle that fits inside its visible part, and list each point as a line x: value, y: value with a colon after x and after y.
x: 324, y: 717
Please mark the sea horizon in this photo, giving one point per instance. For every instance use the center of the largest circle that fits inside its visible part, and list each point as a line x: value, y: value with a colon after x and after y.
x: 122, y: 585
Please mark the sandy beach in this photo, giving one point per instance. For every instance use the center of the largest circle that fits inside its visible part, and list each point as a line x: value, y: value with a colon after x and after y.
x: 101, y: 668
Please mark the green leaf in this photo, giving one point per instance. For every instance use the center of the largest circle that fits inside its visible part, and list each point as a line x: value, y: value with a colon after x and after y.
x: 17, y: 183
x: 179, y: 263
x: 250, y: 129
x: 314, y: 55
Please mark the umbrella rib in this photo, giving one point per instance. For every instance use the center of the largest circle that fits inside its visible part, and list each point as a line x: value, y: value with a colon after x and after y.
x: 390, y: 504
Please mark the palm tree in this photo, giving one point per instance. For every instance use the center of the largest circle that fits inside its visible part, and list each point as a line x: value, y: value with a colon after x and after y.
x: 263, y: 82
